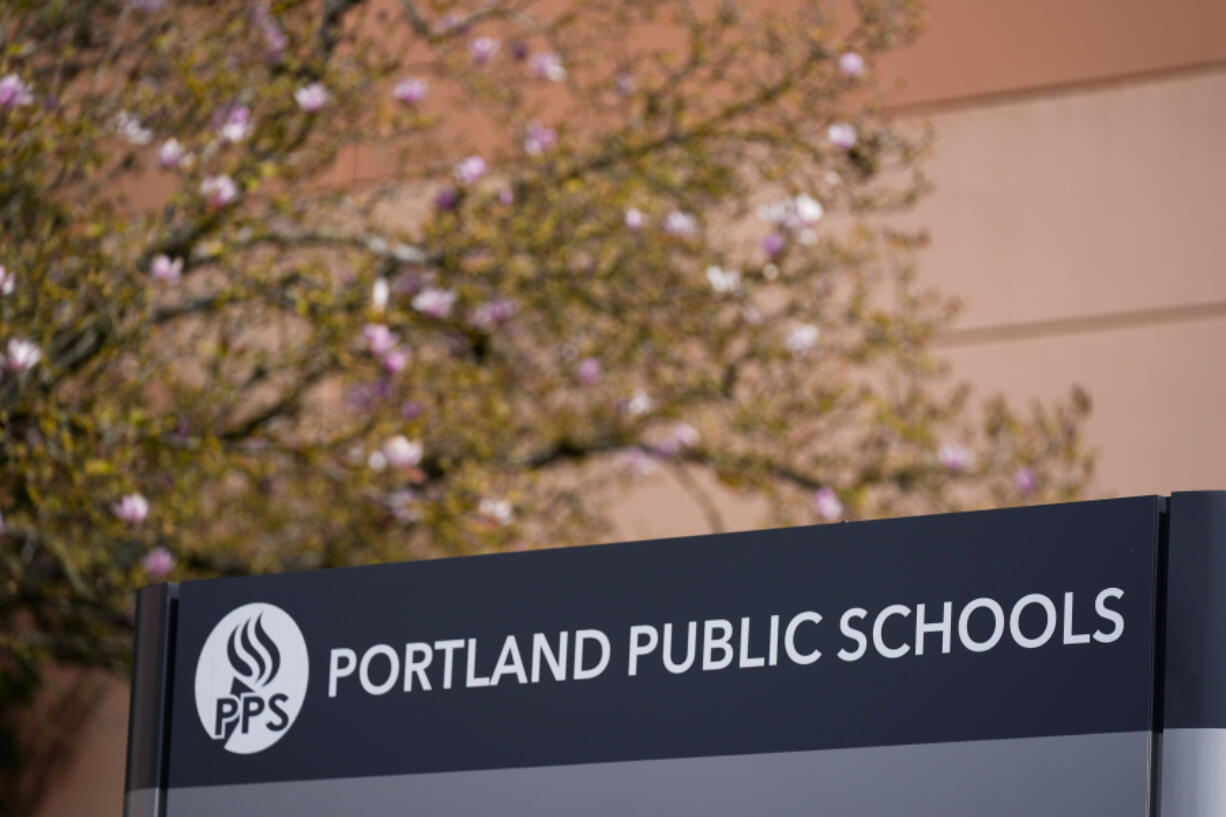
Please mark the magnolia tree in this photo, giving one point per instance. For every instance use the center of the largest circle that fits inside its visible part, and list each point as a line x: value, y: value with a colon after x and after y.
x: 590, y: 239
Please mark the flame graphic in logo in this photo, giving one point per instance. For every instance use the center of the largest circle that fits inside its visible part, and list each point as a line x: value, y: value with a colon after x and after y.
x: 253, y: 654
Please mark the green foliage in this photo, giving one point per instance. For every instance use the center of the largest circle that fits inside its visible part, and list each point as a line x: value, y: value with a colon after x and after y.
x: 599, y: 300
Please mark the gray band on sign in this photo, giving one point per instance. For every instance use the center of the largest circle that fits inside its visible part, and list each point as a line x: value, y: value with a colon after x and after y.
x: 142, y: 803
x: 1104, y: 775
x: 1193, y: 772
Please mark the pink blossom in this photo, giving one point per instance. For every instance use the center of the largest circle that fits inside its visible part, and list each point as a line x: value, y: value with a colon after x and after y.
x: 680, y: 223
x: 483, y: 49
x: 548, y: 66
x: 637, y: 463
x: 311, y: 98
x: 635, y: 218
x: 842, y: 135
x: 401, y: 452
x: 132, y: 508
x: 470, y: 170
x: 773, y: 244
x: 22, y: 355
x: 14, y: 92
x: 589, y: 371
x: 539, y: 139
x: 435, y: 302
x: 446, y: 199
x: 396, y: 361
x: 506, y: 197
x: 158, y: 562
x: 488, y: 315
x: 379, y: 339
x: 851, y: 64
x: 8, y: 282
x: 410, y: 90
x: 218, y: 191
x: 1025, y: 481
x: 403, y: 505
x: 826, y: 503
x: 680, y: 437
x: 450, y: 22
x: 955, y: 457
x: 171, y: 154
x: 624, y: 83
x: 802, y: 339
x: 166, y: 270
x: 496, y: 510
x: 237, y: 125
x: 274, y: 37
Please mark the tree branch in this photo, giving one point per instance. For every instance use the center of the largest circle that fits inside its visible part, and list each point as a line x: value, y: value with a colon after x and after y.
x: 700, y: 495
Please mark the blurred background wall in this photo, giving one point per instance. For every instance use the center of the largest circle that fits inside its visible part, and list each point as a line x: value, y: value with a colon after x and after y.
x: 1079, y: 213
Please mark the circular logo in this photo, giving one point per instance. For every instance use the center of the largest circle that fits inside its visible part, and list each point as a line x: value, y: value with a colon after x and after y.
x: 251, y: 678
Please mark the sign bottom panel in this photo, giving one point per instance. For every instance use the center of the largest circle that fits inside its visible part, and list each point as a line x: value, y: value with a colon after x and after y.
x: 1100, y: 775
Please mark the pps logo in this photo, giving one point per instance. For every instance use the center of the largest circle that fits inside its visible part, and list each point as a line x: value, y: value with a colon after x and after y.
x: 251, y: 678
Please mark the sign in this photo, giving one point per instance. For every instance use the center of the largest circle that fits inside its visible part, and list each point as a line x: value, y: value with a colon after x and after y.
x: 1013, y: 662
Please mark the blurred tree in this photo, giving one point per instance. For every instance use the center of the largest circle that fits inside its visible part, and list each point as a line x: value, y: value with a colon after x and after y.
x: 595, y: 237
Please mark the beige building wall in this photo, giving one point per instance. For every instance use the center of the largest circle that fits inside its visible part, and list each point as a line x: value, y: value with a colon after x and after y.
x: 1085, y: 232
x: 1079, y: 213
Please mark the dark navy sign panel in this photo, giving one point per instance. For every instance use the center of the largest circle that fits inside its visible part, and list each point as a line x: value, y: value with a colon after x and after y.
x: 1192, y: 742
x: 1196, y: 613
x: 1006, y: 692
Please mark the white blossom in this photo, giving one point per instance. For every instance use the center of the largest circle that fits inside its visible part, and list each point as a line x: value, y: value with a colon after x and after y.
x: 548, y: 66
x: 237, y: 125
x: 22, y: 356
x: 401, y: 452
x: 851, y: 64
x: 496, y: 510
x: 131, y: 129
x: 434, y: 302
x: 639, y: 403
x: 218, y: 191
x: 171, y: 154
x: 722, y: 280
x: 311, y: 98
x: 802, y: 338
x: 680, y: 223
x: 955, y: 457
x: 379, y: 294
x: 470, y: 170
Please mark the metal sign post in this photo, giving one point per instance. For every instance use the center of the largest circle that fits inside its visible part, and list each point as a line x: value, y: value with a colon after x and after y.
x: 1063, y: 661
